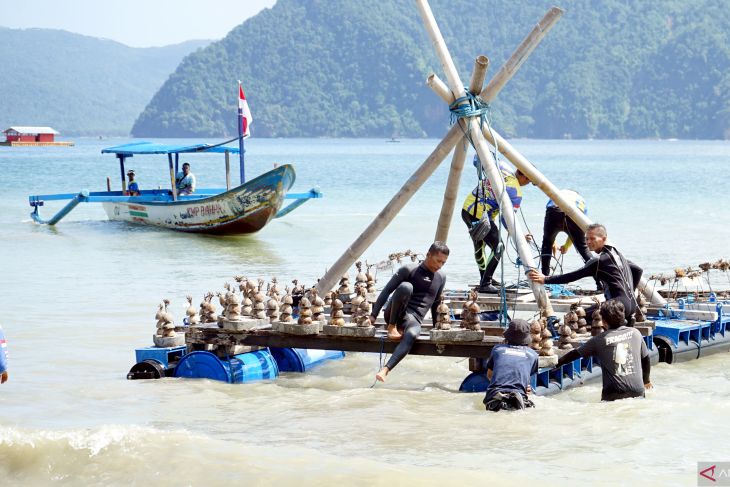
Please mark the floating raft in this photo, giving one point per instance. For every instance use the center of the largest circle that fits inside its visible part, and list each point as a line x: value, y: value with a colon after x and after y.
x: 685, y: 332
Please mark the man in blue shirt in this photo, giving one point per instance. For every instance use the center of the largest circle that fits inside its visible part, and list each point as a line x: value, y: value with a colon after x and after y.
x: 509, y: 369
x: 132, y: 186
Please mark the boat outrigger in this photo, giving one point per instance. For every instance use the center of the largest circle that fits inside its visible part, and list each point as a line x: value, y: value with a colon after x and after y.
x: 246, y: 208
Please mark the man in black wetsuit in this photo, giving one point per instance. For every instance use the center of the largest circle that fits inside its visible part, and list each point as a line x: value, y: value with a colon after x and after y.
x: 618, y: 276
x: 415, y: 289
x: 622, y: 353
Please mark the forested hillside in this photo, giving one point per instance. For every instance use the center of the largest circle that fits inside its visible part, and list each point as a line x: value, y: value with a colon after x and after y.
x: 610, y: 69
x: 77, y: 84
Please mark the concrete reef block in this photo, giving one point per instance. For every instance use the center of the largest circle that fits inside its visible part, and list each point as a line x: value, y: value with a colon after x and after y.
x: 547, y: 361
x: 163, y: 342
x: 242, y: 325
x: 457, y: 335
x: 349, y: 331
x: 295, y: 328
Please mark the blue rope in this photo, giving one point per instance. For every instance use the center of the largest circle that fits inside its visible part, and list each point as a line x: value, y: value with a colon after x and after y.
x: 467, y: 106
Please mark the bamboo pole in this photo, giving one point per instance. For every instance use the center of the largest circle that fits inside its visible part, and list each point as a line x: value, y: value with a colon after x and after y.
x: 488, y: 163
x: 523, y: 51
x: 457, y: 162
x: 478, y: 74
x: 228, y: 170
x: 547, y: 187
x: 386, y: 215
x: 440, y: 88
x: 450, y: 193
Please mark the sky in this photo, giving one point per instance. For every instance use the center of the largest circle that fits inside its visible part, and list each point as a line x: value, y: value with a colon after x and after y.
x: 136, y: 23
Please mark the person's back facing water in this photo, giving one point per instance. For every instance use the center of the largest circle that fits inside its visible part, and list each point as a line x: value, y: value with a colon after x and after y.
x: 622, y: 353
x: 509, y: 369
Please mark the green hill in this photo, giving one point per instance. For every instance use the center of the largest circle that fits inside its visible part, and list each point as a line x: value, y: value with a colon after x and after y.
x: 609, y: 69
x: 79, y: 85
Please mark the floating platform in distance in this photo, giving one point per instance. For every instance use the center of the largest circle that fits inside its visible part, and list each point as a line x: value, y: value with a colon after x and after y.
x: 16, y: 143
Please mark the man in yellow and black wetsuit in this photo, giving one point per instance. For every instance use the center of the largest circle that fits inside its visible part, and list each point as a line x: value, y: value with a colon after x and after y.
x: 479, y: 213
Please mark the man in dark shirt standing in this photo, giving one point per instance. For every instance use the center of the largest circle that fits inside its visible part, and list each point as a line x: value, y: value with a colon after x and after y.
x: 618, y: 276
x: 623, y: 355
x: 509, y: 369
x: 414, y: 290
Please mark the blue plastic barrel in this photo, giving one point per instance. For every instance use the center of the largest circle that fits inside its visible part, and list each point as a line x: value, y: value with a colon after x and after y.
x: 302, y: 359
x: 246, y: 367
x: 475, y: 382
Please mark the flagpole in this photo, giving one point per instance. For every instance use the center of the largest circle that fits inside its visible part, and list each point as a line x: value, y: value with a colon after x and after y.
x: 241, y: 149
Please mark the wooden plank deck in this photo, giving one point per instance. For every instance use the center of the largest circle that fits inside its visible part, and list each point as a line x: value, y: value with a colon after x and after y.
x: 199, y: 336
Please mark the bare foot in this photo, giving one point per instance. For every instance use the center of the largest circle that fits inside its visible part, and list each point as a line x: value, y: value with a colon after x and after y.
x: 393, y: 333
x: 382, y: 374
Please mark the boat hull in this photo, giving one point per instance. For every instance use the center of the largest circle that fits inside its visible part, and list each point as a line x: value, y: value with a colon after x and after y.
x: 244, y: 209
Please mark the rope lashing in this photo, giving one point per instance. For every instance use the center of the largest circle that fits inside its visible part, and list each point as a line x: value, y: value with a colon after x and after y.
x: 469, y: 105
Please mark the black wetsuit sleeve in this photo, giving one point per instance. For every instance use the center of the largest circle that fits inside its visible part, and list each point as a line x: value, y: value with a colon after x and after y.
x: 435, y: 304
x: 588, y: 270
x: 569, y: 357
x: 646, y: 368
x: 636, y: 273
x: 394, y: 282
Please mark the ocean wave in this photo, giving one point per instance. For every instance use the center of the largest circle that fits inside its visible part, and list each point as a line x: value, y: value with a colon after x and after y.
x: 132, y: 455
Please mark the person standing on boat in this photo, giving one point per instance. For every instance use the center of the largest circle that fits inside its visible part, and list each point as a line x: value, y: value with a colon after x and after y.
x: 622, y: 353
x: 413, y: 290
x: 132, y: 186
x: 479, y: 213
x: 185, y: 180
x: 509, y: 369
x: 618, y: 276
x: 557, y: 221
x: 3, y: 358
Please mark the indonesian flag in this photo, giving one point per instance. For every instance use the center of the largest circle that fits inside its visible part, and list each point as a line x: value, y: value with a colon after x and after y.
x: 244, y: 112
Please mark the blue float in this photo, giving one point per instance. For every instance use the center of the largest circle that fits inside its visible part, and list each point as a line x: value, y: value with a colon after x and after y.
x: 242, y: 368
x: 302, y: 359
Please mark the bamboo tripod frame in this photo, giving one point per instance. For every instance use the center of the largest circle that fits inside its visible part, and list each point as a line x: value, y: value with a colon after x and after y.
x: 454, y: 138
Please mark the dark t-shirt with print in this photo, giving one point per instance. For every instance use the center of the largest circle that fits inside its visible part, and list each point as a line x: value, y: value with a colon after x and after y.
x: 620, y: 351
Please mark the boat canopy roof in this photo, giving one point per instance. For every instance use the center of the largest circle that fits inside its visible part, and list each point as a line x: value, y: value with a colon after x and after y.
x: 145, y: 147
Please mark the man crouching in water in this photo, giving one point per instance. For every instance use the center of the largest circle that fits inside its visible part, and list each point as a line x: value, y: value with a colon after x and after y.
x: 414, y: 290
x: 509, y: 369
x: 624, y: 358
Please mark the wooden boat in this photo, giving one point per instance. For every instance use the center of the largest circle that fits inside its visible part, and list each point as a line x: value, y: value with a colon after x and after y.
x: 246, y: 208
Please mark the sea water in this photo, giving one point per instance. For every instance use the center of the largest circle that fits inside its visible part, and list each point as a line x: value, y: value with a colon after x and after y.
x: 77, y: 298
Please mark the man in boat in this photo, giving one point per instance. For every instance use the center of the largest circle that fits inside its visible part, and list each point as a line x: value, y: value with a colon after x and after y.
x: 132, y: 186
x: 413, y: 290
x: 509, y: 369
x: 479, y: 213
x: 185, y: 180
x: 557, y: 221
x: 3, y: 358
x: 618, y: 276
x: 622, y: 353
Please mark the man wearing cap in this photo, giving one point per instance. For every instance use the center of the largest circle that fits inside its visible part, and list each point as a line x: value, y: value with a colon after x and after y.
x: 622, y: 353
x: 132, y: 186
x: 479, y: 213
x: 509, y: 369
